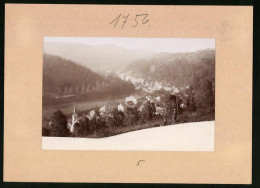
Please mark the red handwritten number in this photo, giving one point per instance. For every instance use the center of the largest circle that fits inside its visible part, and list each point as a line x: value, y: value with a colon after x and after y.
x: 117, y: 18
x: 144, y: 21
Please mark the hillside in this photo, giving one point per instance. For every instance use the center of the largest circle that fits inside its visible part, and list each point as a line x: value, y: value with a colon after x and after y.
x: 99, y: 57
x: 63, y: 78
x: 178, y: 69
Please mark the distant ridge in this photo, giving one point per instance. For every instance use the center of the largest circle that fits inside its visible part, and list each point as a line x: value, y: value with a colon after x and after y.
x: 179, y: 69
x: 96, y: 57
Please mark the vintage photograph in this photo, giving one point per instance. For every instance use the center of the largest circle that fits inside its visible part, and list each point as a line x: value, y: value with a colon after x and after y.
x: 128, y: 93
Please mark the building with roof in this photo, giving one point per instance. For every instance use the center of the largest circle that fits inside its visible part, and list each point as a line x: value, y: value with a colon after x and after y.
x: 74, y: 119
x: 131, y: 101
x: 122, y: 107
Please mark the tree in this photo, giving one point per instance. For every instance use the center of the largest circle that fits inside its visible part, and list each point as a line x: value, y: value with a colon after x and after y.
x: 88, y: 89
x: 59, y: 125
x: 173, y: 102
x: 59, y: 91
x: 146, y: 113
x: 70, y: 91
x: 45, y: 131
x: 152, y: 110
x: 85, y: 126
x: 103, y: 86
x: 98, y: 86
x: 77, y: 90
x: 118, y: 118
x: 209, y: 93
x: 65, y: 90
x: 129, y: 120
x: 192, y: 106
x: 83, y: 89
x: 179, y: 102
x: 93, y: 88
x: 77, y: 127
x: 109, y: 121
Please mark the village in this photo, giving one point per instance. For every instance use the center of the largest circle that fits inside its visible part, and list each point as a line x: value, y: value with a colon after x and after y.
x: 153, y: 104
x: 160, y: 107
x: 110, y: 102
x: 147, y: 85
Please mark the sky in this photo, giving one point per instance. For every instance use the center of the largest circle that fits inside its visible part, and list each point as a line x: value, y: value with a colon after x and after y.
x: 151, y: 44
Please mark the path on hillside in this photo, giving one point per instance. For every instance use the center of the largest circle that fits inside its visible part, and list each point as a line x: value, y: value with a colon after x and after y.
x: 197, y: 136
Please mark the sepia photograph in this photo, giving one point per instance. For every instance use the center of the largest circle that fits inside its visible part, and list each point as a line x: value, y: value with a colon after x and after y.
x: 141, y: 94
x: 148, y: 94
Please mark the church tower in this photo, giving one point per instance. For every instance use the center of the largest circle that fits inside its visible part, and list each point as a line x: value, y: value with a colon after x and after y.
x: 74, y: 116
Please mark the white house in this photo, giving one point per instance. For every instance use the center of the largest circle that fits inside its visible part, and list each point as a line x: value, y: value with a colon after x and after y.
x: 140, y: 109
x: 120, y: 107
x: 158, y: 98
x: 91, y: 114
x: 149, y: 98
x: 103, y: 109
x: 176, y: 90
x: 131, y: 99
x: 183, y: 106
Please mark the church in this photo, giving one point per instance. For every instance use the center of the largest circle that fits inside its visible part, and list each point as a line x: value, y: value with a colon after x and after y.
x: 74, y: 119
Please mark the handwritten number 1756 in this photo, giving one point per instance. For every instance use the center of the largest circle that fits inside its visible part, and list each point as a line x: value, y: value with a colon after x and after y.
x: 124, y: 19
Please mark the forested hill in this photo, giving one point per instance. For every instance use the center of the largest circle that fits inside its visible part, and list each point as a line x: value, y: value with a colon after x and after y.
x: 63, y: 77
x: 180, y: 69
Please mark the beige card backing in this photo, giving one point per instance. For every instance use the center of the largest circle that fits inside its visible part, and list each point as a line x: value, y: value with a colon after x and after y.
x: 25, y: 161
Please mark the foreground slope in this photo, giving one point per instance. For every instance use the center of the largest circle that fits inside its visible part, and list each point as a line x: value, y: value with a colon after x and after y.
x: 197, y: 136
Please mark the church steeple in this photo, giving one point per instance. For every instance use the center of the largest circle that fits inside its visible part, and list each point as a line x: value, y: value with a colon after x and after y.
x: 74, y: 117
x: 74, y: 112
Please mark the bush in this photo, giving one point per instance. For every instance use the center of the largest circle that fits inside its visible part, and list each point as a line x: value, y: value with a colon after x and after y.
x: 45, y: 131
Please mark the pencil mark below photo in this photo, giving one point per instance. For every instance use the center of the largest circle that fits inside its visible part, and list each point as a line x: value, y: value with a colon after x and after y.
x: 128, y: 94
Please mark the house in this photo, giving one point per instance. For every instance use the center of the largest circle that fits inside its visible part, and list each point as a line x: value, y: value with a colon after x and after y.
x: 131, y: 101
x: 158, y: 98
x: 148, y: 98
x: 122, y: 107
x: 140, y: 109
x: 176, y: 90
x: 110, y: 106
x: 142, y: 105
x: 151, y: 99
x: 91, y: 114
x: 102, y: 110
x: 183, y: 106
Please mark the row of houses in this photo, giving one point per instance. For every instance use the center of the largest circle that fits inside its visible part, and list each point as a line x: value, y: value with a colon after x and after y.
x: 148, y: 85
x: 130, y: 102
x: 106, y: 110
